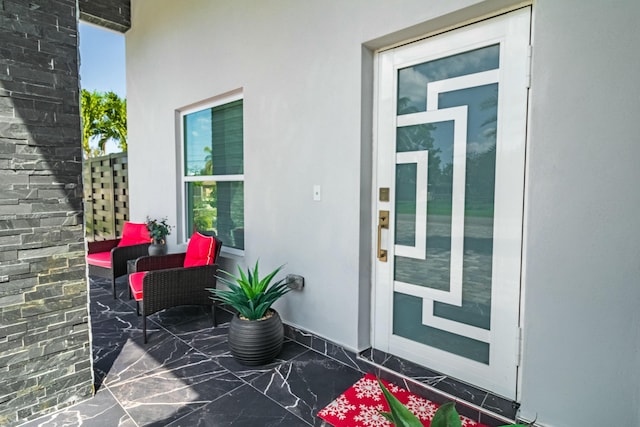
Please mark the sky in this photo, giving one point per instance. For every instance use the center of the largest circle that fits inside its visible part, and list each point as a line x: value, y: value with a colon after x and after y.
x: 102, y: 64
x: 102, y: 60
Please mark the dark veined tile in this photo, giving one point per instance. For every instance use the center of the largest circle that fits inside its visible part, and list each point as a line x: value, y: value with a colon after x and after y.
x: 129, y: 357
x: 167, y: 393
x: 290, y: 350
x: 243, y: 407
x: 103, y: 410
x: 307, y: 384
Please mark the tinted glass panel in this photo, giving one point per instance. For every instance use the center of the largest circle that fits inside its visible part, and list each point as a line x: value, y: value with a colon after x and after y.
x: 476, y: 253
x: 412, y: 81
x: 217, y: 207
x: 214, y: 141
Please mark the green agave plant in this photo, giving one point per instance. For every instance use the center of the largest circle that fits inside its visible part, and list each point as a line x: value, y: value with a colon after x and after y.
x: 445, y: 416
x: 248, y: 293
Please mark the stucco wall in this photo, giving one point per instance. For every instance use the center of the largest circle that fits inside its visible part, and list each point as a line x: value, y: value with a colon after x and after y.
x: 581, y: 317
x: 300, y: 66
x: 306, y: 72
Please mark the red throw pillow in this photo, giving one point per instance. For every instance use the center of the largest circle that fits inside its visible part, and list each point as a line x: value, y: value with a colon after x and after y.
x: 134, y: 234
x: 200, y: 251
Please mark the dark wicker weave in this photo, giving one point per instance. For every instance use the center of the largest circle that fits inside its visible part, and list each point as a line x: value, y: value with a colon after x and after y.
x: 169, y: 284
x: 119, y: 257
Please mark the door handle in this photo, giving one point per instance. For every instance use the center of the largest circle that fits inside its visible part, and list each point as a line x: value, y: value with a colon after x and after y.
x: 383, y: 222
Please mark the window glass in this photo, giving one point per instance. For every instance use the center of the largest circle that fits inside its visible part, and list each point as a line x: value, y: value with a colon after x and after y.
x: 214, y: 141
x: 213, y: 150
x: 219, y: 207
x: 413, y: 81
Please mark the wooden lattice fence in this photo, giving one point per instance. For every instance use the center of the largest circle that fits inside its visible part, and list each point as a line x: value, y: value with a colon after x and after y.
x: 106, y: 195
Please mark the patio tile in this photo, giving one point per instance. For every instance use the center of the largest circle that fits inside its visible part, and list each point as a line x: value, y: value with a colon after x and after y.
x: 121, y: 354
x: 290, y: 350
x: 307, y: 384
x: 193, y: 325
x: 106, y: 307
x: 100, y: 411
x: 101, y: 293
x: 108, y: 340
x: 186, y: 375
x: 243, y: 407
x: 169, y: 392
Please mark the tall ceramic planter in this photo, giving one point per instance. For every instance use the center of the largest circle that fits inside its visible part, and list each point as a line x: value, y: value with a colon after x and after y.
x: 256, y: 342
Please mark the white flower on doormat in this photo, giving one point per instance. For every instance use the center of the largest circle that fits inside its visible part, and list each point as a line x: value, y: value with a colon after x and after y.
x: 395, y: 389
x: 422, y: 408
x: 468, y: 422
x: 338, y: 408
x: 366, y: 388
x: 370, y: 416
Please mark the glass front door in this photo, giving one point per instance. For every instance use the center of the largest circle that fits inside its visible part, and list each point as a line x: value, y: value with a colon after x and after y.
x: 450, y: 143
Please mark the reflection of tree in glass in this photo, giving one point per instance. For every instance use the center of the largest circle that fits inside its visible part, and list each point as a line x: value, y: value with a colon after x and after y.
x: 218, y: 206
x: 204, y: 209
x: 481, y: 165
x: 419, y: 138
x: 208, y: 162
x: 204, y: 196
x: 491, y: 103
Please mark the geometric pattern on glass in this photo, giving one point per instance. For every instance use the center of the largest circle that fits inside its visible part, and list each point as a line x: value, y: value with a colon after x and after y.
x: 445, y: 179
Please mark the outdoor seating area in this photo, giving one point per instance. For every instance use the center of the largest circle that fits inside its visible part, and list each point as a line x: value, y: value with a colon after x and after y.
x: 166, y: 281
x: 108, y: 258
x: 186, y: 375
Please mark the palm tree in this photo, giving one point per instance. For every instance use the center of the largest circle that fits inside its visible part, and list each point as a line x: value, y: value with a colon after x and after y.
x: 91, y: 113
x: 115, y: 121
x: 104, y: 116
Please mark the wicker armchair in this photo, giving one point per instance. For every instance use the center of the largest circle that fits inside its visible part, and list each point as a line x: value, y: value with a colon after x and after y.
x: 166, y: 283
x: 106, y: 259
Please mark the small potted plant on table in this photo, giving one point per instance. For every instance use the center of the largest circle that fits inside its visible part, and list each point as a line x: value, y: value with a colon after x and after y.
x: 158, y: 231
x: 256, y: 332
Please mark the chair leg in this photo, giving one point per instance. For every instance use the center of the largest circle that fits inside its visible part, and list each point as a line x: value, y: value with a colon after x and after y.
x: 213, y: 315
x: 144, y: 327
x: 113, y: 286
x: 138, y: 308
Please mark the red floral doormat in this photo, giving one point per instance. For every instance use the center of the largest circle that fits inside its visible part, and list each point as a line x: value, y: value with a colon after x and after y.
x: 359, y: 406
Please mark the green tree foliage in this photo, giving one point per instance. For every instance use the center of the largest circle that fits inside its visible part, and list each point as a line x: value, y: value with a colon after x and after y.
x: 104, y: 118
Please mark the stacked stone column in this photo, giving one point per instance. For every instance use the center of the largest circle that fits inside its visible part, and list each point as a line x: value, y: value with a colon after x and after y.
x: 45, y: 351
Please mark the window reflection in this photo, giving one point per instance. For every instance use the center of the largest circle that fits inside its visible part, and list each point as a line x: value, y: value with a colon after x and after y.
x: 218, y: 207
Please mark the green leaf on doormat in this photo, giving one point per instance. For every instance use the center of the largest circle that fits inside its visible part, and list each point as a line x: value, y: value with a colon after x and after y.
x: 446, y: 416
x: 400, y: 416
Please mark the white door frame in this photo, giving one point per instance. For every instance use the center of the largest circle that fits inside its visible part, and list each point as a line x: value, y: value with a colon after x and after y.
x: 512, y: 31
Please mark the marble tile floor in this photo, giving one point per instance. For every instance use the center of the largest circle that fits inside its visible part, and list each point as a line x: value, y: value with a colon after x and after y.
x: 185, y: 375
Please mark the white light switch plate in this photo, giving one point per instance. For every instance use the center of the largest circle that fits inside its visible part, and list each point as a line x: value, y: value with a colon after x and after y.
x: 316, y: 193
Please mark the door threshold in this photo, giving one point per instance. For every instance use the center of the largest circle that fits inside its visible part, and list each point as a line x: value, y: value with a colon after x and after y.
x: 473, y: 402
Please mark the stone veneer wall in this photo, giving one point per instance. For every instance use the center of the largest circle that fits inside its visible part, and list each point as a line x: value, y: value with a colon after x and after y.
x: 113, y: 14
x: 45, y: 351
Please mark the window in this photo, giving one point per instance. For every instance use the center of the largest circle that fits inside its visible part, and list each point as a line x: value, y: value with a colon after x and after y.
x: 213, y: 171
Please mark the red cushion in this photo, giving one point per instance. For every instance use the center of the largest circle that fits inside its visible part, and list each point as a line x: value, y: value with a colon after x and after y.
x: 200, y: 251
x: 134, y: 234
x: 100, y: 259
x: 135, y: 283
